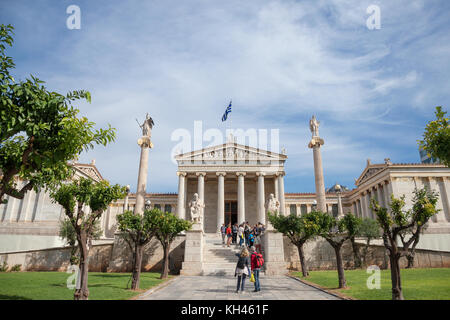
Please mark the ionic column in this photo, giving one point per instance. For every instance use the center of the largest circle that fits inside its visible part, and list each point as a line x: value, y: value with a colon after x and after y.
x: 276, y: 184
x: 260, y: 198
x: 380, y: 196
x: 363, y: 205
x: 220, y: 199
x: 24, y: 214
x: 241, y: 197
x: 181, y: 212
x: 201, y: 185
x: 281, y: 193
x: 125, y: 203
x: 433, y: 185
x: 40, y: 204
x: 315, y: 144
x: 142, y: 177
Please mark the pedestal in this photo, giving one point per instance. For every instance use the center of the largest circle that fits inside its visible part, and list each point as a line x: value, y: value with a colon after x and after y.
x: 193, y: 252
x: 274, y: 263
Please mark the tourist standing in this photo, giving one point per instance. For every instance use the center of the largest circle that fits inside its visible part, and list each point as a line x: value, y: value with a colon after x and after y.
x: 229, y: 235
x: 256, y: 262
x: 235, y: 231
x: 223, y: 231
x: 242, y: 269
x: 246, y: 232
x: 258, y: 242
x: 241, y: 235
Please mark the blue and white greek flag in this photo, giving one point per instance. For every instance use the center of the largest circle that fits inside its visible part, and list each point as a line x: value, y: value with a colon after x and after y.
x: 227, y: 111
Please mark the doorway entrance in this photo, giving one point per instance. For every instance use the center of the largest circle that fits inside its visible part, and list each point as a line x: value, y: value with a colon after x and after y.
x: 230, y: 212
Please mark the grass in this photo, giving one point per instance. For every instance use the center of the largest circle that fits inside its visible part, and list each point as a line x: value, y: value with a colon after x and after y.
x: 53, y: 285
x: 417, y: 284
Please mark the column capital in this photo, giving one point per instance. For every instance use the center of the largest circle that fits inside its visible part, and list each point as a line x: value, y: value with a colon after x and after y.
x: 181, y: 173
x: 280, y: 174
x: 200, y: 174
x: 262, y: 174
x: 241, y: 174
x: 223, y: 174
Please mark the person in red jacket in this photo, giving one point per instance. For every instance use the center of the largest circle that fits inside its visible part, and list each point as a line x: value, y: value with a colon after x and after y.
x: 229, y: 235
x: 255, y: 268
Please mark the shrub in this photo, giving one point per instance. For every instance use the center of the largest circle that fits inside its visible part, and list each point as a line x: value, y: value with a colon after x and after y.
x: 16, y: 267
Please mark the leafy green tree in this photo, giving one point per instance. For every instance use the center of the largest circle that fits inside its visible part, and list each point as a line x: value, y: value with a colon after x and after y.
x: 40, y: 131
x: 84, y: 201
x: 398, y: 223
x: 299, y: 229
x: 336, y: 232
x: 137, y: 230
x: 68, y: 234
x: 167, y: 227
x: 436, y: 138
x: 368, y: 229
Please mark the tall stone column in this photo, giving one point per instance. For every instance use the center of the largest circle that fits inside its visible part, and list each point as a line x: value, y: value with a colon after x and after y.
x: 276, y: 184
x: 125, y: 203
x: 281, y: 194
x: 315, y: 144
x: 241, y: 197
x: 220, y: 199
x: 181, y: 210
x: 340, y: 209
x: 260, y: 198
x: 145, y: 143
x: 201, y: 185
x: 380, y: 196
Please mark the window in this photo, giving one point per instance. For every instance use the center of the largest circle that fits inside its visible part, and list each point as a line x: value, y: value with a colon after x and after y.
x: 168, y: 208
x: 293, y: 209
x: 334, y: 210
x: 303, y: 209
x: 157, y: 206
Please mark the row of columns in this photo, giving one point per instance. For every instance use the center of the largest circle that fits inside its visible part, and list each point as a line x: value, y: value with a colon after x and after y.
x: 261, y: 214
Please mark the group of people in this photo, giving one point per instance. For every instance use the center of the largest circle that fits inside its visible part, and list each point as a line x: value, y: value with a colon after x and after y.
x: 250, y: 260
x: 243, y: 235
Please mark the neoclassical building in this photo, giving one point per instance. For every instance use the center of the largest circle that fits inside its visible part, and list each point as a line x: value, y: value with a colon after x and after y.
x: 235, y: 182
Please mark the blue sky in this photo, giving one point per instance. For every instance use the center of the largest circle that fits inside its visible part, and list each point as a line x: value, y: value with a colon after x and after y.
x: 280, y: 61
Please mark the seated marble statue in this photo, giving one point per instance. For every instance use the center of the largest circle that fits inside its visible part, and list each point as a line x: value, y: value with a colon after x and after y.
x: 273, y: 205
x: 196, y: 206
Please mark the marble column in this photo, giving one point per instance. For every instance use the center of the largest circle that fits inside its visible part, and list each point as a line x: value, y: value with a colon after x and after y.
x: 340, y: 209
x: 201, y: 185
x: 24, y: 213
x: 363, y: 205
x: 281, y: 194
x: 445, y: 198
x: 308, y: 208
x: 380, y: 196
x: 241, y: 197
x: 315, y: 144
x: 181, y: 210
x: 145, y: 145
x: 125, y: 203
x: 260, y: 198
x: 276, y: 184
x: 433, y: 185
x: 40, y: 204
x: 220, y: 199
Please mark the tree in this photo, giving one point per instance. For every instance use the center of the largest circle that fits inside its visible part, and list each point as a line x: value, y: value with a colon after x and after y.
x: 399, y: 223
x: 40, y: 131
x: 137, y: 230
x: 299, y: 229
x: 436, y: 138
x: 368, y: 229
x: 167, y: 227
x: 84, y: 201
x: 67, y: 233
x: 336, y: 232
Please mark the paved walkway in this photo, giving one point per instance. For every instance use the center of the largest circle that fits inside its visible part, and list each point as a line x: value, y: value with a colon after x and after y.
x: 223, y: 288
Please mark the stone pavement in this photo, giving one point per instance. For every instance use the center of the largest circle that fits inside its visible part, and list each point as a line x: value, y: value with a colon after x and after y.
x: 223, y: 288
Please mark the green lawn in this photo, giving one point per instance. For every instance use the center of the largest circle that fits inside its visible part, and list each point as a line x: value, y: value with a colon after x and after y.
x: 417, y: 284
x: 52, y: 285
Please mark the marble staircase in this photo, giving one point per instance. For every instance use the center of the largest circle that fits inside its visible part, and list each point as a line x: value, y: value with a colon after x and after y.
x: 218, y: 259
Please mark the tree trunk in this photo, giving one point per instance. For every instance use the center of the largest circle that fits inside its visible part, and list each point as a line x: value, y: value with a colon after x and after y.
x: 83, y: 292
x: 340, y: 267
x: 397, y: 293
x: 410, y: 257
x: 356, y: 253
x: 302, y: 260
x: 165, y: 271
x: 137, y: 265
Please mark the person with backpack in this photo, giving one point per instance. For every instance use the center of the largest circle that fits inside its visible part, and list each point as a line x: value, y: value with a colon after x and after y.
x: 242, y: 269
x: 241, y: 235
x: 235, y: 231
x: 251, y: 239
x: 223, y: 231
x: 246, y: 233
x: 257, y: 261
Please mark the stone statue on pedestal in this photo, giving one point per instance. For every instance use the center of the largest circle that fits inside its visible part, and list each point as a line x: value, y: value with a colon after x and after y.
x: 314, y: 126
x: 196, y: 206
x: 146, y: 127
x: 273, y: 205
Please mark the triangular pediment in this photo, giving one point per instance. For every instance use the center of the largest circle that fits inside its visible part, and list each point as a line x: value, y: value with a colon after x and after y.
x: 368, y: 172
x: 87, y: 170
x: 230, y: 151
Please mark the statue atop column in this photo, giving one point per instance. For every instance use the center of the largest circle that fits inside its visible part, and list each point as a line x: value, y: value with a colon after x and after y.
x: 314, y: 126
x: 196, y: 206
x: 146, y: 127
x: 273, y: 205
